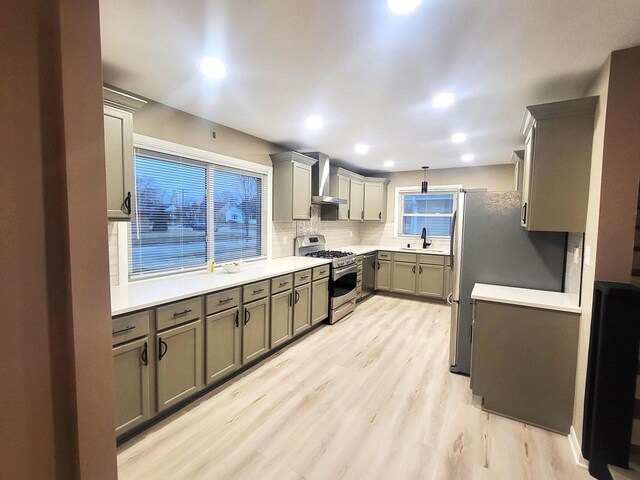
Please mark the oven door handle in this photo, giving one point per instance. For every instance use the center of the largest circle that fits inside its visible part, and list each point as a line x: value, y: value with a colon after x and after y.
x: 339, y: 272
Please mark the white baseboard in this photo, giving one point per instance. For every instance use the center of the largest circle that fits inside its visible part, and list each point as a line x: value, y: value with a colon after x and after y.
x: 575, y: 449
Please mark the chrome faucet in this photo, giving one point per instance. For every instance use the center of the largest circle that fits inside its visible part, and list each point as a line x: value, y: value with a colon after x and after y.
x: 423, y: 236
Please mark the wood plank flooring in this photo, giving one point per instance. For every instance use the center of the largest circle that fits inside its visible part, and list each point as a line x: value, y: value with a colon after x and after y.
x: 368, y: 398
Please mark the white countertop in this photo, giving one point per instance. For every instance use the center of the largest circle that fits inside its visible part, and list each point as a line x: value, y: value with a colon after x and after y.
x: 148, y: 293
x: 526, y: 297
x: 362, y: 249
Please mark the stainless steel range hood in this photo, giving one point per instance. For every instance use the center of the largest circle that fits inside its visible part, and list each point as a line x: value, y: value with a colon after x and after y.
x: 321, y: 181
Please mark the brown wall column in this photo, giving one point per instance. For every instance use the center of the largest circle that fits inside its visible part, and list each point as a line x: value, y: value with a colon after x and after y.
x: 56, y: 368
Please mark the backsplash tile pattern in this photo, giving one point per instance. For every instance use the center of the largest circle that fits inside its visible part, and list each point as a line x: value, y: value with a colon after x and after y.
x: 112, y: 230
x: 573, y: 269
x: 375, y: 233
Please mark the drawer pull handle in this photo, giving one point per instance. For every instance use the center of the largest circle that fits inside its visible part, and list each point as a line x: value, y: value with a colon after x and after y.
x: 123, y: 330
x: 145, y: 354
x: 161, y: 352
x: 183, y: 312
x: 282, y: 284
x: 225, y: 300
x: 258, y: 290
x: 322, y: 272
x: 304, y: 277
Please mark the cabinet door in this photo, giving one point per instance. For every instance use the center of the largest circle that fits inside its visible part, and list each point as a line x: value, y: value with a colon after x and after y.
x: 526, y: 176
x: 179, y: 363
x: 255, y: 334
x: 404, y: 277
x: 131, y: 370
x: 431, y: 281
x: 301, y: 308
x: 281, y: 317
x: 373, y: 201
x: 223, y: 346
x: 301, y: 191
x: 383, y: 275
x: 319, y: 300
x: 343, y: 192
x: 355, y: 200
x: 118, y: 144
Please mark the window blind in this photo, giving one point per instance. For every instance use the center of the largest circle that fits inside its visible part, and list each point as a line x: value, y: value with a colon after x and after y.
x: 433, y: 211
x: 189, y: 211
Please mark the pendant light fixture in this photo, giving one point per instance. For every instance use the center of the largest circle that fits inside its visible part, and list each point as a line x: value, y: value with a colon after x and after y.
x: 425, y: 184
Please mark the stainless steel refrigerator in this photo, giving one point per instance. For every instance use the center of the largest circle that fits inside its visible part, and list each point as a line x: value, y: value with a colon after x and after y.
x: 488, y: 245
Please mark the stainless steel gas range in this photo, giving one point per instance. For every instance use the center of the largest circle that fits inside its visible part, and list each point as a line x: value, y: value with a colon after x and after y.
x: 342, y: 278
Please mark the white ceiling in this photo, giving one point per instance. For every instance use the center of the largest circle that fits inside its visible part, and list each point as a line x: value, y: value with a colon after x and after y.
x: 370, y: 74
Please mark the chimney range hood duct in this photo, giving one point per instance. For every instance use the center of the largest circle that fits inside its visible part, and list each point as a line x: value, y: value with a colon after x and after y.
x: 321, y: 182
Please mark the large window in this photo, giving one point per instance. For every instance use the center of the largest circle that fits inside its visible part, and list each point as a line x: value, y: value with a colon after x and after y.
x: 189, y: 212
x: 432, y: 211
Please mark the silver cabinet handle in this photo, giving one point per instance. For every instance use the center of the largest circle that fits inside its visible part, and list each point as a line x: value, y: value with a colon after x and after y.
x: 183, y: 312
x: 225, y: 300
x: 258, y: 290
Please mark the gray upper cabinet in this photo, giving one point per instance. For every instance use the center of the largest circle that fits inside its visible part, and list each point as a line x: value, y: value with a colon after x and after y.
x: 375, y: 195
x: 356, y: 200
x: 517, y: 158
x: 179, y: 363
x: 131, y: 370
x: 223, y: 344
x: 557, y: 161
x: 291, y: 186
x: 342, y: 191
x: 301, y: 308
x: 319, y: 300
x: 255, y: 335
x: 118, y: 143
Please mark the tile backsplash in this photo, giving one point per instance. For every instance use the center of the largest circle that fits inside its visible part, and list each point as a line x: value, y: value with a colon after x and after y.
x: 573, y: 266
x: 112, y: 231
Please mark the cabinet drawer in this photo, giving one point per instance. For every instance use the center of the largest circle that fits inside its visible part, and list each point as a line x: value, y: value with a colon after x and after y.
x: 280, y: 284
x: 321, y: 272
x: 300, y: 278
x: 217, y: 302
x: 404, y: 257
x: 432, y: 259
x: 129, y: 327
x: 255, y: 291
x: 384, y: 255
x: 178, y: 313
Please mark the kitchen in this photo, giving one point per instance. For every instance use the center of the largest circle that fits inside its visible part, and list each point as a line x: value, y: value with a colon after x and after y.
x: 332, y: 281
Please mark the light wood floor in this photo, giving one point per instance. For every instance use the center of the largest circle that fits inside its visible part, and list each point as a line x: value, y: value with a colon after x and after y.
x: 368, y: 398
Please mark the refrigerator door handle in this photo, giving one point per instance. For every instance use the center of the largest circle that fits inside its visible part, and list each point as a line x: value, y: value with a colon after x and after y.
x: 452, y: 240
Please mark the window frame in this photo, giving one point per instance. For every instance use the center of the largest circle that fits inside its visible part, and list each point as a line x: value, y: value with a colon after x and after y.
x: 204, y: 157
x: 412, y: 190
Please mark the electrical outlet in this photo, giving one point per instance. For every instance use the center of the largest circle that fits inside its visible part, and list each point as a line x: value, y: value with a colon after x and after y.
x: 285, y: 240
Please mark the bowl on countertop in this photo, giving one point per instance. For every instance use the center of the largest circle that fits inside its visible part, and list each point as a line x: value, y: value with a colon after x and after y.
x: 233, y: 267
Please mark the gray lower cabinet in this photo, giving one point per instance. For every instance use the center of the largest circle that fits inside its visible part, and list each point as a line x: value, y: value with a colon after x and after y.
x: 255, y: 334
x: 301, y: 308
x: 404, y: 278
x: 131, y: 370
x: 281, y: 317
x: 383, y: 275
x: 223, y: 344
x: 319, y: 300
x: 430, y: 281
x: 179, y: 366
x: 516, y: 349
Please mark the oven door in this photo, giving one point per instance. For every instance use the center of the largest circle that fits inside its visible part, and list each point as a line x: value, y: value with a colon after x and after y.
x: 342, y: 287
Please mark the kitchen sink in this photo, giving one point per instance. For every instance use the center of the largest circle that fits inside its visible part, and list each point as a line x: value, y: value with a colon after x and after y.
x: 423, y: 250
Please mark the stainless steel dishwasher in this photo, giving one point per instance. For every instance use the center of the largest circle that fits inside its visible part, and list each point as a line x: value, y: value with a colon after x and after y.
x: 368, y: 274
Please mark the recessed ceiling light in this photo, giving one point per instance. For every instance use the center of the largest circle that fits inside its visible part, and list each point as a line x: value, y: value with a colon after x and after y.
x: 467, y: 157
x: 389, y: 163
x: 314, y: 122
x: 361, y: 148
x: 443, y: 100
x: 458, y: 138
x: 402, y: 7
x: 213, y: 68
